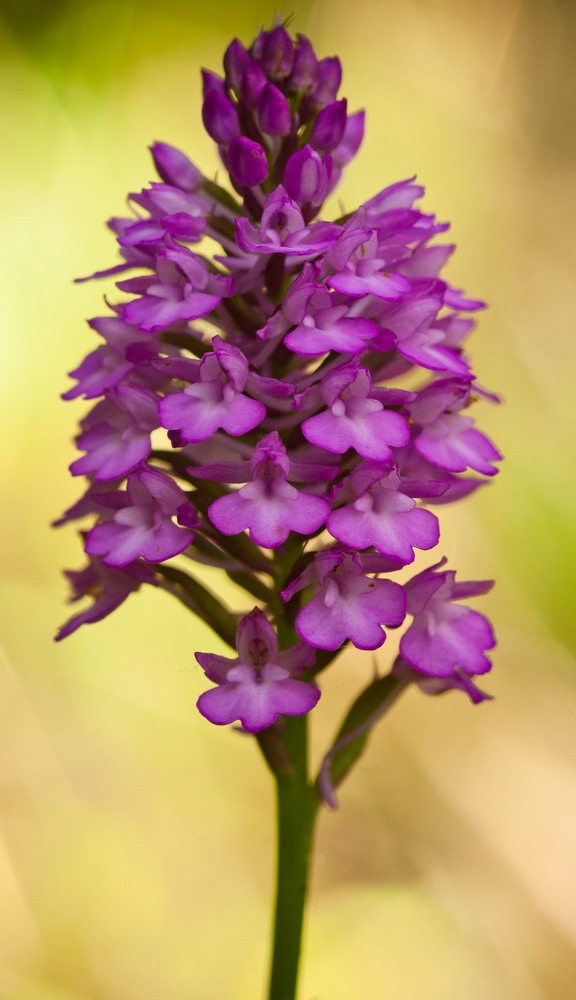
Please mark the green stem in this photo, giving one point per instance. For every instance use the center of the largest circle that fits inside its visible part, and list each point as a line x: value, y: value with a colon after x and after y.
x: 296, y: 805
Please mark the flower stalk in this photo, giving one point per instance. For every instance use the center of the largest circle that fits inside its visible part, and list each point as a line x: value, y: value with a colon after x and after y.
x: 297, y: 805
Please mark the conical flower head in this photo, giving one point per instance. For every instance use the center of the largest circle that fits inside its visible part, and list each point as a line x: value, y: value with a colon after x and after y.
x: 246, y: 410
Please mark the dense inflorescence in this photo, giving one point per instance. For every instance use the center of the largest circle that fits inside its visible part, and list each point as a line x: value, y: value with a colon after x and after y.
x: 285, y: 447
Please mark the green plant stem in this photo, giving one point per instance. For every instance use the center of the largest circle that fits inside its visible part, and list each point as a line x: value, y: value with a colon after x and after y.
x: 296, y: 808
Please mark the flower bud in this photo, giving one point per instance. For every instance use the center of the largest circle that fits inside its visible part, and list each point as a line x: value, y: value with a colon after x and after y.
x: 304, y: 175
x: 220, y: 117
x: 174, y: 167
x: 273, y: 111
x: 254, y: 80
x: 351, y: 140
x: 257, y: 48
x: 329, y: 126
x: 247, y: 162
x: 211, y: 81
x: 328, y: 80
x: 235, y: 62
x: 305, y: 66
x: 278, y: 54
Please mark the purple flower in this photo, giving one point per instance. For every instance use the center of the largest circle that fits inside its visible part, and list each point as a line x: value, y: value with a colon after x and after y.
x: 109, y: 365
x: 421, y: 337
x: 172, y: 211
x: 447, y: 438
x: 211, y: 81
x: 331, y: 329
x: 402, y: 194
x: 347, y: 603
x: 116, y: 433
x: 282, y: 230
x: 174, y: 167
x: 453, y: 443
x: 166, y: 200
x: 327, y: 327
x: 109, y: 588
x: 383, y: 517
x: 446, y: 637
x: 142, y: 525
x: 258, y: 685
x: 175, y: 293
x: 355, y: 419
x: 458, y: 681
x: 215, y: 399
x: 269, y: 507
x: 100, y: 370
x: 362, y: 271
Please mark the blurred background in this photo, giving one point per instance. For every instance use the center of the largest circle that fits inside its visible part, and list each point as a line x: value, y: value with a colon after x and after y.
x: 136, y: 840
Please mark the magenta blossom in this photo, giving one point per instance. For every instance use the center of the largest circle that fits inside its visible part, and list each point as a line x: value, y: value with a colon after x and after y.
x: 182, y: 289
x: 116, y: 433
x: 282, y: 230
x: 142, y: 524
x: 269, y: 507
x: 323, y: 325
x: 348, y: 604
x: 446, y: 637
x: 259, y: 684
x: 214, y: 399
x: 356, y: 418
x: 384, y: 516
x: 109, y: 588
x: 364, y: 272
x: 446, y: 437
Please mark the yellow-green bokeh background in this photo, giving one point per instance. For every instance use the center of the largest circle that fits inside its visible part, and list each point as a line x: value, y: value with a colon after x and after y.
x: 136, y: 840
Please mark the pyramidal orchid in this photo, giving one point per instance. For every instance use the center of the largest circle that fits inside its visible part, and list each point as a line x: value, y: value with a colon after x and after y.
x: 250, y: 409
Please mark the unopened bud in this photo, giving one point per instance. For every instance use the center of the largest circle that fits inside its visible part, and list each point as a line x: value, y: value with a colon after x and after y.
x: 211, y: 81
x: 351, y: 140
x: 174, y: 167
x: 220, y: 117
x: 304, y: 176
x: 253, y: 82
x: 273, y: 111
x: 305, y: 66
x: 328, y: 80
x: 329, y: 127
x: 257, y: 47
x: 247, y: 162
x: 235, y: 62
x: 278, y: 55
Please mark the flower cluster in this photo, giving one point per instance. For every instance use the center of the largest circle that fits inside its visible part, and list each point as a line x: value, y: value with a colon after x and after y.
x: 252, y: 409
